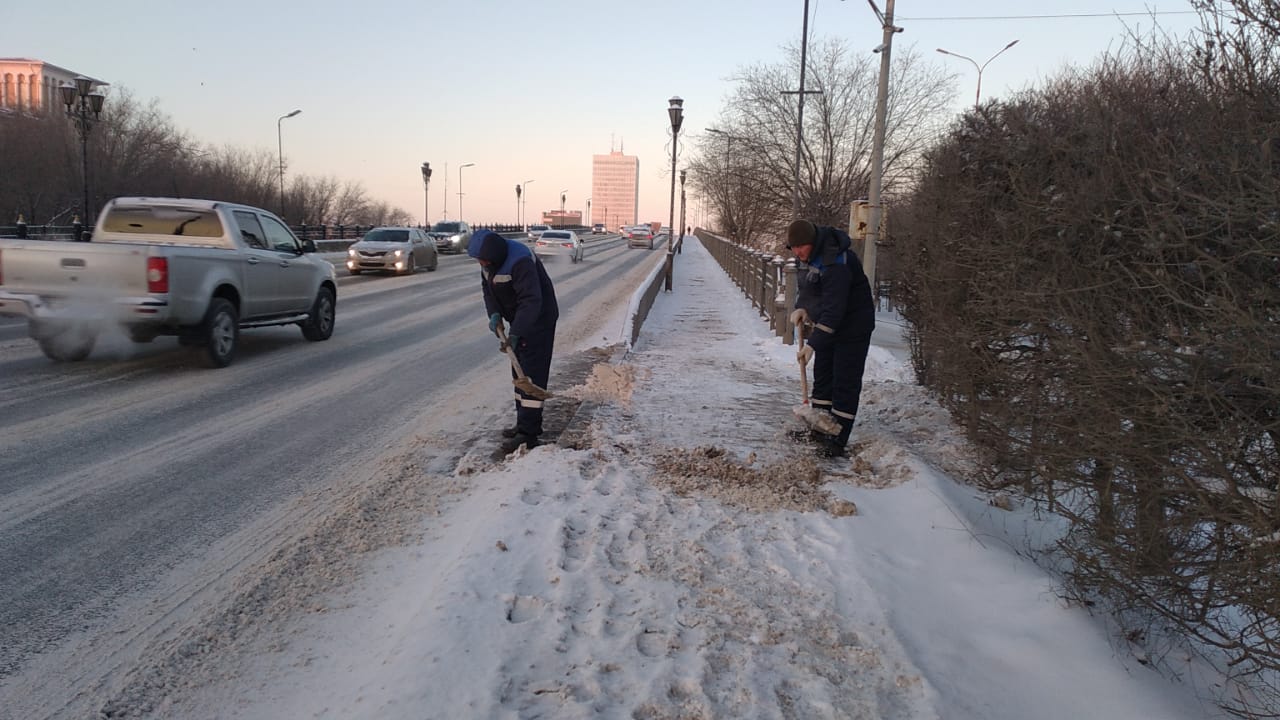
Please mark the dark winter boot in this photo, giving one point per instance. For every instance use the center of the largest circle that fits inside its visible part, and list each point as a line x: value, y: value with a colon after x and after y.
x: 510, y: 432
x: 833, y: 446
x: 806, y: 435
x: 515, y: 441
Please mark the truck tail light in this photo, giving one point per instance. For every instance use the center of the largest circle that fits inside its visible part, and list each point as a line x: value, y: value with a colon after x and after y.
x: 157, y: 275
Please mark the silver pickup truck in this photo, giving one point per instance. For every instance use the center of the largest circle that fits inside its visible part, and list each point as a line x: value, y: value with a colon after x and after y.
x: 197, y: 269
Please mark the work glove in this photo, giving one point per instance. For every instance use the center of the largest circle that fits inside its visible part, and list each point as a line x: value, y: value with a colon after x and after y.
x: 495, y: 322
x: 513, y: 342
x: 799, y: 316
x: 805, y: 354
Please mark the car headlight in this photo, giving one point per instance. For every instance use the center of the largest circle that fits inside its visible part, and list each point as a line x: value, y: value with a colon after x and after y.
x: 399, y: 253
x: 455, y: 239
x: 351, y: 251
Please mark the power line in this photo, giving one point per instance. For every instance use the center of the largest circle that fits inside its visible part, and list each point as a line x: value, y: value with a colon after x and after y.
x: 1048, y: 17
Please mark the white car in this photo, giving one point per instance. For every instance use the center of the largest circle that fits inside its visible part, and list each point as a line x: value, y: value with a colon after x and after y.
x: 535, y: 231
x: 400, y: 250
x: 559, y: 242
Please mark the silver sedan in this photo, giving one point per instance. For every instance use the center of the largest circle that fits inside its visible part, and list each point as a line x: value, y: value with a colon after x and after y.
x: 392, y: 249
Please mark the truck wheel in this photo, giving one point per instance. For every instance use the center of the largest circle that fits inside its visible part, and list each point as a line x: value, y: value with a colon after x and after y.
x: 71, y: 345
x: 221, y: 331
x: 319, y: 326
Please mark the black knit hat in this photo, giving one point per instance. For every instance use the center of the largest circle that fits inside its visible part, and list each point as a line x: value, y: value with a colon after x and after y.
x: 801, y: 232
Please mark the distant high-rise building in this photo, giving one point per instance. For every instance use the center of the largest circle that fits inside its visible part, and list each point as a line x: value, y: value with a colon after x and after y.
x: 30, y: 86
x: 615, y: 189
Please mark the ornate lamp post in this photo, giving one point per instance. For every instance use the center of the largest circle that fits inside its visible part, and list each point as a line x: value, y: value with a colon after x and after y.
x: 80, y: 101
x: 518, y: 222
x: 977, y: 95
x: 562, y: 192
x: 675, y: 111
x: 467, y: 165
x: 280, y: 147
x: 426, y: 189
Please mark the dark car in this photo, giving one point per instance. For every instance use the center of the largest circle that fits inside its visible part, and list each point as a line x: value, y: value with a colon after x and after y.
x: 451, y: 236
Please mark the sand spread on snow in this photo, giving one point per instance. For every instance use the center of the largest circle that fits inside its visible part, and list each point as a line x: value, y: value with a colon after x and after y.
x: 786, y: 485
x: 608, y: 383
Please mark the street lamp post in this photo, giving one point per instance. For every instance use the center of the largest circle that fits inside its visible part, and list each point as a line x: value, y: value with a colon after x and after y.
x: 426, y: 187
x: 675, y: 111
x: 80, y: 101
x: 562, y: 192
x: 977, y: 95
x: 518, y: 223
x: 526, y: 204
x: 728, y: 193
x: 589, y: 213
x: 280, y: 147
x: 680, y: 232
x: 467, y: 165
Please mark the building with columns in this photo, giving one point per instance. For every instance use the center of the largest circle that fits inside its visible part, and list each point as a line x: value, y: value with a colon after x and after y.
x: 31, y: 86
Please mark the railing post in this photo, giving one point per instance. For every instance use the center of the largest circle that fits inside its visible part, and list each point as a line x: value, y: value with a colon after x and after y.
x: 766, y: 301
x: 22, y: 228
x: 790, y: 289
x: 778, y: 318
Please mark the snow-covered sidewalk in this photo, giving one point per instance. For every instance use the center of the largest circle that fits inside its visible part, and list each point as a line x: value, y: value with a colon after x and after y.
x: 692, y: 562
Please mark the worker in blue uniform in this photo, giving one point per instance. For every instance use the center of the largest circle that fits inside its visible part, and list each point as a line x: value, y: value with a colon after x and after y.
x: 518, y: 290
x: 835, y: 297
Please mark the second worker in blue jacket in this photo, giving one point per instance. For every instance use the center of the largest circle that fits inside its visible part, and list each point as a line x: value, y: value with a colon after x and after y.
x: 835, y: 296
x: 518, y: 290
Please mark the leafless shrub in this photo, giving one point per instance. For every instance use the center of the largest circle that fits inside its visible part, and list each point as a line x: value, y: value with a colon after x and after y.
x: 1091, y: 271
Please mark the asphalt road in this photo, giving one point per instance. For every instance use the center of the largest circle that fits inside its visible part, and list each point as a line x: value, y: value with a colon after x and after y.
x: 136, y: 486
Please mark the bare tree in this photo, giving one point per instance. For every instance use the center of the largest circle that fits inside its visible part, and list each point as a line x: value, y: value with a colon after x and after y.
x: 135, y: 149
x: 747, y: 171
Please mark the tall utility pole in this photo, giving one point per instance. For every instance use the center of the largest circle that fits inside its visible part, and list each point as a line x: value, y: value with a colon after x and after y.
x: 875, y: 212
x: 426, y: 202
x: 804, y: 60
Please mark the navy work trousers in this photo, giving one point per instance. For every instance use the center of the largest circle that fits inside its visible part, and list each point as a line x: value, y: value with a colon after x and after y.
x: 534, y: 354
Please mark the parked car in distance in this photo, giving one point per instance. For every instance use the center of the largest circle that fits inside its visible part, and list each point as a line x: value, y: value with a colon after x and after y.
x: 392, y: 249
x: 451, y: 236
x: 559, y: 242
x: 598, y: 229
x: 535, y: 231
x: 640, y: 236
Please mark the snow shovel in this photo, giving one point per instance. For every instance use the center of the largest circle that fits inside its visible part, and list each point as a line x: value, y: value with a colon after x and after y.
x: 521, y: 381
x: 811, y: 416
